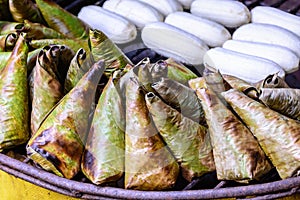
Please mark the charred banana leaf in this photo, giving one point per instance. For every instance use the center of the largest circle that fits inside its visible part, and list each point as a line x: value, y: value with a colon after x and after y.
x: 47, y: 90
x: 283, y: 100
x: 159, y: 70
x: 279, y: 136
x: 38, y: 31
x: 102, y: 48
x: 272, y: 81
x: 149, y: 165
x: 179, y: 72
x: 237, y: 153
x: 241, y: 85
x: 75, y: 72
x: 14, y: 110
x: 180, y: 97
x: 58, y: 144
x: 74, y: 44
x: 62, y: 21
x: 103, y: 158
x: 8, y: 41
x: 25, y: 9
x: 7, y: 27
x: 188, y: 140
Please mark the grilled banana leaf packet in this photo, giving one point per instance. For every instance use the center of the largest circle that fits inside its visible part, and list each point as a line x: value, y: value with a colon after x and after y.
x: 24, y: 9
x: 14, y: 110
x: 62, y: 21
x: 237, y: 153
x: 272, y: 81
x: 149, y: 165
x: 4, y: 56
x: 103, y: 158
x: 179, y: 72
x: 242, y: 86
x: 180, y: 97
x: 283, y: 100
x: 278, y: 135
x: 75, y: 71
x: 188, y: 140
x: 58, y: 144
x: 8, y: 41
x: 46, y: 88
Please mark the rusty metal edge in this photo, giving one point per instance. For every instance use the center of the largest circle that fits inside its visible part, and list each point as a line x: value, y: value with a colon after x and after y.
x: 89, y: 191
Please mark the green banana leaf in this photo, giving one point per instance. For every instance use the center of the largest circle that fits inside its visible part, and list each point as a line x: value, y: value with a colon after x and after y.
x: 7, y: 27
x: 278, y: 135
x: 5, y: 14
x: 180, y: 97
x: 58, y: 144
x: 14, y: 110
x: 237, y: 153
x: 149, y: 165
x: 103, y: 158
x: 24, y: 9
x: 102, y: 48
x: 242, y: 86
x: 8, y: 41
x: 179, y: 72
x: 37, y: 31
x: 75, y: 72
x: 31, y: 59
x: 74, y: 44
x: 272, y: 81
x: 62, y: 21
x: 4, y: 56
x: 188, y: 140
x: 283, y: 100
x: 47, y: 90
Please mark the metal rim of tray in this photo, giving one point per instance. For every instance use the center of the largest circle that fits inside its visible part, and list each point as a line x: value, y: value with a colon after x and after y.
x: 77, y: 189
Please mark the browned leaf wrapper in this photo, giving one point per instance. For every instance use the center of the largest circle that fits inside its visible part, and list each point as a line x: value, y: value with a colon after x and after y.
x: 7, y: 27
x: 37, y: 31
x: 24, y: 9
x: 179, y: 72
x: 283, y: 100
x: 8, y: 41
x: 47, y: 89
x: 74, y: 44
x: 159, y: 70
x: 14, y: 111
x: 31, y: 60
x: 58, y: 144
x: 62, y: 21
x: 241, y: 85
x: 102, y: 48
x: 188, y: 140
x: 75, y: 71
x: 272, y: 81
x: 103, y: 158
x: 237, y: 153
x: 278, y: 135
x: 180, y: 97
x: 149, y: 165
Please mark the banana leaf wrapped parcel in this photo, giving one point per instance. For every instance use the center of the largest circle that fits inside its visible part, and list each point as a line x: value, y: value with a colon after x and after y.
x: 180, y: 97
x: 58, y: 144
x: 237, y: 153
x: 14, y: 110
x: 283, y: 100
x: 278, y: 135
x: 8, y: 41
x: 272, y: 81
x: 149, y: 165
x: 103, y: 157
x: 188, y: 140
x: 46, y: 88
